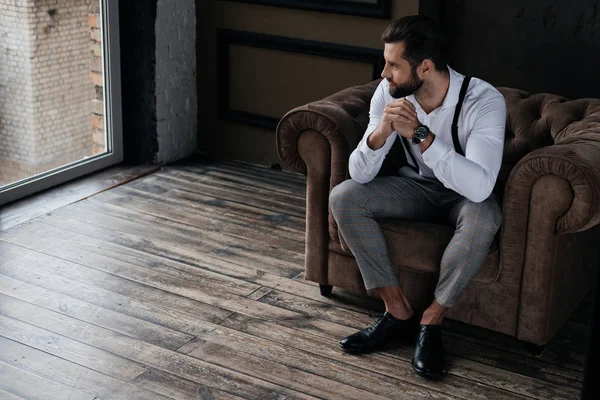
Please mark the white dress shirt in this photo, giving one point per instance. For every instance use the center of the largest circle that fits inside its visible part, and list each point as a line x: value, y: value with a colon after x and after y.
x: 480, y: 132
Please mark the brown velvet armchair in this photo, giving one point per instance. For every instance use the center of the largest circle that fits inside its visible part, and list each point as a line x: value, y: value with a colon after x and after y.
x: 547, y: 252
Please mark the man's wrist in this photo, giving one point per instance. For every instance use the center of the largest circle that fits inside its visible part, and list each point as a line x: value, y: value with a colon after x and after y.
x: 424, y: 145
x: 378, y: 137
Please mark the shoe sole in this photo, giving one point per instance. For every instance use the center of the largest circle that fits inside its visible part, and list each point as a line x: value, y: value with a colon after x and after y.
x: 356, y: 351
x: 396, y: 343
x: 428, y: 374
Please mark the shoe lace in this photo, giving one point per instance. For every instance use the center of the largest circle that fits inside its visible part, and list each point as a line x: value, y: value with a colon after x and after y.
x: 376, y: 323
x: 424, y: 338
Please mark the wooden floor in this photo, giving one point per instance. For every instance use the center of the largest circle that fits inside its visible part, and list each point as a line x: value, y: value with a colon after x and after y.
x: 188, y: 284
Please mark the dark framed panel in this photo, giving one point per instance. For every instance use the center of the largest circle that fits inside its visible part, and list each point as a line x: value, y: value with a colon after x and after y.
x: 377, y: 9
x: 225, y: 38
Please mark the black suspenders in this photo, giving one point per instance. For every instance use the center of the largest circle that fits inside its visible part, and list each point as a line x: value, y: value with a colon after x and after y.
x: 412, y: 156
x: 457, y: 148
x: 461, y: 98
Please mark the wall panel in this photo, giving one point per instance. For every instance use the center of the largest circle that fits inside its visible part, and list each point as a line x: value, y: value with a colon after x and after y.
x: 256, y: 61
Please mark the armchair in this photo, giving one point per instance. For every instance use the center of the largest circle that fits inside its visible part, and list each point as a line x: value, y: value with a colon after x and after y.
x: 548, y: 249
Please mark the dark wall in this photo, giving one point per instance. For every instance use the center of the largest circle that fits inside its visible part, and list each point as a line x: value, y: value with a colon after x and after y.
x: 138, y: 76
x: 274, y: 58
x: 534, y: 45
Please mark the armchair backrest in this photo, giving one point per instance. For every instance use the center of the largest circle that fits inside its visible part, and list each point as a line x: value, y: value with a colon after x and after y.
x: 538, y: 120
x: 533, y: 121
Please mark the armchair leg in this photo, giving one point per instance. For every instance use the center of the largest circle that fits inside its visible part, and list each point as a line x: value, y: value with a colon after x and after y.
x: 535, y: 350
x: 325, y: 290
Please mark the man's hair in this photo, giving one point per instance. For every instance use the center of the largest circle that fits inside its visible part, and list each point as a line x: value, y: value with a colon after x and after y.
x: 423, y: 39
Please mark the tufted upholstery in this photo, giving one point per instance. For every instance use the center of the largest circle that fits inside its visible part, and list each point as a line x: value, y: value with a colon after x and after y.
x: 539, y: 120
x: 549, y: 182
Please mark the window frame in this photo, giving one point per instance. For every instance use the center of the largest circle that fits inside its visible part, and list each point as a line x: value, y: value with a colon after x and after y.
x: 113, y: 119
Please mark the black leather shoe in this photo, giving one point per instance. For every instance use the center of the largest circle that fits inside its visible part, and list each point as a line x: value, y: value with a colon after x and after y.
x: 428, y: 360
x: 385, y: 330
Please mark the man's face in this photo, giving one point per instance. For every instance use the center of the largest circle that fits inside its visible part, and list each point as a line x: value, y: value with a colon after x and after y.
x: 403, y: 80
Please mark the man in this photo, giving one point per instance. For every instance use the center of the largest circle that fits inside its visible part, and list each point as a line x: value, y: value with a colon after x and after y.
x: 417, y: 102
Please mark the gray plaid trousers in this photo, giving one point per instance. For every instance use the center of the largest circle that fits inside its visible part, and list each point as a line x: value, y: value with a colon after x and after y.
x: 355, y: 207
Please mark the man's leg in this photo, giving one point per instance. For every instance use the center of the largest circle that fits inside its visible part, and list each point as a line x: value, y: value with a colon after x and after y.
x: 476, y: 225
x: 355, y: 207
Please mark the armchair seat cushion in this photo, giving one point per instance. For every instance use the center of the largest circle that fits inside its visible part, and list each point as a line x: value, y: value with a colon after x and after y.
x: 419, y: 247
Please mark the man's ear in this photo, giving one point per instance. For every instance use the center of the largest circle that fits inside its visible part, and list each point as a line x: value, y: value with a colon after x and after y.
x: 426, y: 66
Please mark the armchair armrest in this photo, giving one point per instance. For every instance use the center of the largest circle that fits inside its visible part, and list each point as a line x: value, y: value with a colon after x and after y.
x: 316, y: 140
x: 577, y: 162
x: 341, y: 118
x: 551, y: 203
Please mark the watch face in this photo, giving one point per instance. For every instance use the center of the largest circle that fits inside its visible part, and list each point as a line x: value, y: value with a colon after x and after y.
x: 422, y: 132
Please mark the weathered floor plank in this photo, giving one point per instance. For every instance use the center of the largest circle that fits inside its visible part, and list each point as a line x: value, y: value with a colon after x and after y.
x: 31, y: 386
x: 150, y: 292
x: 176, y: 387
x: 277, y: 184
x: 18, y: 212
x: 71, y: 374
x: 188, y: 284
x: 277, y: 246
x: 134, y: 327
x: 211, y: 220
x: 178, y: 245
x: 239, y: 186
x: 61, y: 346
x: 137, y: 351
x: 4, y: 395
x: 261, y: 202
x: 209, y: 203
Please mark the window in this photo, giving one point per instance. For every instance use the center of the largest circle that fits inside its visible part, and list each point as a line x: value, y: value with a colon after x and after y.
x: 60, y: 92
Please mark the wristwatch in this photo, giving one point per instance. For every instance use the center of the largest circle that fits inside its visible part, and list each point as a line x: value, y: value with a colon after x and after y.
x: 421, y: 133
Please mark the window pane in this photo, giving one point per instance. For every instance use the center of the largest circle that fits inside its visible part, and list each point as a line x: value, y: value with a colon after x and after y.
x: 51, y: 85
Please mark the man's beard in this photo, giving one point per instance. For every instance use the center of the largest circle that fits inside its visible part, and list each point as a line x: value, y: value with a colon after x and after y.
x: 407, y: 89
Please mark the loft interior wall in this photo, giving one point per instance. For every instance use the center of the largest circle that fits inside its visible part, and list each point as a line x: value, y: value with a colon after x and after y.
x: 537, y: 46
x: 265, y: 82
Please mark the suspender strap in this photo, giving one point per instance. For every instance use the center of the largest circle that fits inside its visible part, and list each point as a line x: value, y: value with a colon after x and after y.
x: 461, y: 98
x: 457, y: 148
x: 412, y: 156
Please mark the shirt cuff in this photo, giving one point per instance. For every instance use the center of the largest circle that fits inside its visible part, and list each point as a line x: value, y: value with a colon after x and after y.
x: 373, y: 156
x: 437, y: 151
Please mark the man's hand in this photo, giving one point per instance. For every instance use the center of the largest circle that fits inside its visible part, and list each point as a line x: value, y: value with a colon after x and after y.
x: 405, y: 119
x: 398, y: 115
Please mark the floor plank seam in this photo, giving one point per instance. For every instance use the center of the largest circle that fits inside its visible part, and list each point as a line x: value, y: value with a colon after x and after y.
x: 153, y: 287
x: 162, y: 255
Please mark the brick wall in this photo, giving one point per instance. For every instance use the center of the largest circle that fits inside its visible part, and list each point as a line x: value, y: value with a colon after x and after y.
x: 17, y: 140
x: 176, y: 109
x: 45, y: 87
x: 97, y: 117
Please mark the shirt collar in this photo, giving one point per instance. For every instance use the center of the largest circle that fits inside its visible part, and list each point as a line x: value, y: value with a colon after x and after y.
x: 456, y: 80
x: 451, y: 99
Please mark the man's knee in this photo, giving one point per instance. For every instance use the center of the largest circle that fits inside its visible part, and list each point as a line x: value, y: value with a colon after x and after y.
x: 342, y: 195
x: 485, y: 217
x: 494, y: 212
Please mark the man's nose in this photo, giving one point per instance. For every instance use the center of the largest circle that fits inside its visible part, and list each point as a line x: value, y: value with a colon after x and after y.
x: 384, y: 73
